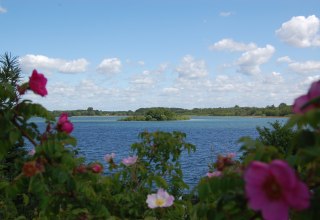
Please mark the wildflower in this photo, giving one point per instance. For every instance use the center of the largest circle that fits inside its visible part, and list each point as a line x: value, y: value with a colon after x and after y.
x: 130, y: 160
x: 96, y: 168
x: 274, y: 188
x: 109, y: 157
x: 160, y: 199
x: 37, y: 83
x: 32, y: 152
x: 30, y: 169
x: 80, y: 169
x: 214, y: 174
x: 301, y: 101
x: 64, y: 124
x: 223, y: 162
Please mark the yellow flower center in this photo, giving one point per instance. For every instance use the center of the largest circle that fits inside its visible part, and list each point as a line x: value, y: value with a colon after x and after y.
x: 160, y: 202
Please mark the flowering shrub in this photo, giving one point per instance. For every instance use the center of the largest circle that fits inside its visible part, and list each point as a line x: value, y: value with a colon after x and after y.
x: 276, y: 176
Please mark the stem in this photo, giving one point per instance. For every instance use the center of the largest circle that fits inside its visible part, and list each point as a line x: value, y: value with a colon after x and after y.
x: 24, y: 133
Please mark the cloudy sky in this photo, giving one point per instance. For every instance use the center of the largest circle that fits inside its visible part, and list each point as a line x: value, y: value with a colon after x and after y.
x: 125, y: 54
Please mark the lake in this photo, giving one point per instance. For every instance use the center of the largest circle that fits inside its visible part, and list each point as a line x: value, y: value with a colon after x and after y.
x: 98, y: 136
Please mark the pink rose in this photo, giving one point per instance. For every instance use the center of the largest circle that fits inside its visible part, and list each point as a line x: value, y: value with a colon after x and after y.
x: 214, y: 174
x: 314, y: 90
x: 299, y: 102
x: 129, y: 160
x: 96, y: 168
x: 109, y: 157
x: 160, y: 199
x: 64, y: 124
x: 274, y: 188
x: 37, y: 83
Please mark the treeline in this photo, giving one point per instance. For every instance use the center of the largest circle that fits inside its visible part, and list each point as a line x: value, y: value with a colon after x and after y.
x: 155, y: 114
x: 281, y: 110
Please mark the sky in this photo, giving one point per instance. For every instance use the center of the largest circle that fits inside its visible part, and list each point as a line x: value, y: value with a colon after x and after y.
x: 117, y: 55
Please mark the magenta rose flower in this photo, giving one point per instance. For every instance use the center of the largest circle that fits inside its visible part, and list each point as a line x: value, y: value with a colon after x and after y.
x: 129, y: 160
x: 37, y: 83
x: 274, y: 188
x: 314, y: 90
x: 299, y: 103
x: 96, y: 168
x: 64, y: 124
x: 160, y: 199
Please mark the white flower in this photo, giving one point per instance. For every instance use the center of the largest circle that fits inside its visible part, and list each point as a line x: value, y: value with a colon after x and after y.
x: 160, y: 199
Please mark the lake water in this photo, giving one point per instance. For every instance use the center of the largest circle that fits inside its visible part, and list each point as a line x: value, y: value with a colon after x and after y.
x: 98, y: 136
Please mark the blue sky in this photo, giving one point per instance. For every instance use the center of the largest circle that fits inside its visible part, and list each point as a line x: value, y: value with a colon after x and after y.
x: 123, y: 55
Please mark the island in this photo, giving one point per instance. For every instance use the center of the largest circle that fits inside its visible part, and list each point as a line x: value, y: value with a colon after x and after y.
x: 156, y: 114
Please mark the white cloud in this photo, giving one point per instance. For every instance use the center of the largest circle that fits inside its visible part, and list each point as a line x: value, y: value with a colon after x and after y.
x: 301, y: 31
x: 2, y: 10
x: 307, y: 67
x: 250, y: 61
x: 191, y: 68
x: 231, y: 45
x: 273, y: 78
x: 225, y: 13
x: 44, y: 63
x: 170, y: 91
x: 110, y: 66
x: 309, y: 80
x: 143, y: 81
x: 284, y: 59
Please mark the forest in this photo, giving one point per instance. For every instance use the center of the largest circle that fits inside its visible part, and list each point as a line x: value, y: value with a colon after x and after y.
x: 283, y: 110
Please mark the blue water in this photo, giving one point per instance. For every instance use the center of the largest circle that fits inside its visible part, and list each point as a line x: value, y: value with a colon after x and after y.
x: 98, y: 136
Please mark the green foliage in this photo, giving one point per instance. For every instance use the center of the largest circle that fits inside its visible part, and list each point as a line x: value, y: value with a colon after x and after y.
x: 156, y: 114
x: 279, y: 136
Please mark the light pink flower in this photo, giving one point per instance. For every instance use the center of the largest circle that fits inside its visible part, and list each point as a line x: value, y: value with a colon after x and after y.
x: 160, y: 199
x: 129, y: 160
x: 32, y: 152
x: 37, y: 83
x: 96, y: 168
x: 214, y: 174
x: 109, y: 157
x: 64, y: 124
x: 231, y: 155
x: 274, y: 188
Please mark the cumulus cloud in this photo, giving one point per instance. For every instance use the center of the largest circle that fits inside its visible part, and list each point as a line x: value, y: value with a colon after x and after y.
x: 225, y: 13
x: 190, y: 68
x: 301, y: 31
x: 284, y: 59
x: 231, y: 45
x: 307, y: 67
x: 273, y: 78
x: 44, y: 63
x: 2, y: 10
x: 110, y: 66
x: 250, y: 61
